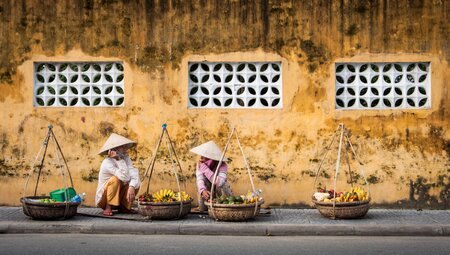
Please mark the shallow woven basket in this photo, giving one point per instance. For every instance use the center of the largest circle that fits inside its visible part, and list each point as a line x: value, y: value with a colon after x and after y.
x: 343, y: 210
x: 47, y: 211
x: 164, y: 211
x: 236, y: 212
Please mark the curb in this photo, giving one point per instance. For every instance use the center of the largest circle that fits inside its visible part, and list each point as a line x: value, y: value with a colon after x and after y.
x: 400, y: 230
x: 310, y: 230
x: 226, y: 230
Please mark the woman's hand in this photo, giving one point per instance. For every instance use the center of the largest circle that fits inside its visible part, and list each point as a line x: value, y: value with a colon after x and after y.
x: 202, y: 159
x: 113, y: 154
x: 206, y: 194
x: 118, y: 153
x: 131, y: 194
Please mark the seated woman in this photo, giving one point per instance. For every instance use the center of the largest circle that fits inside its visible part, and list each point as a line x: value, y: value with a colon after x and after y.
x: 210, y: 155
x: 118, y: 180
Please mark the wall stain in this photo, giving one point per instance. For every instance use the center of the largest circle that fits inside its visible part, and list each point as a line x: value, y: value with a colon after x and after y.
x: 106, y: 128
x: 373, y: 179
x: 420, y: 193
x: 273, y: 26
x: 91, y: 176
x: 160, y: 34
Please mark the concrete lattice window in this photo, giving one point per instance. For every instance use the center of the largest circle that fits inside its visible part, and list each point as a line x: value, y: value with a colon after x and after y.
x: 78, y: 84
x: 383, y: 85
x: 235, y: 85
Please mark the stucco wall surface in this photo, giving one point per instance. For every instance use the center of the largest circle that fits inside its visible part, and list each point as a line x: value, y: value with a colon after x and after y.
x: 406, y: 152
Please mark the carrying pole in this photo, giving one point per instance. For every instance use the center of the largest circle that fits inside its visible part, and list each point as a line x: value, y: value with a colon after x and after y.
x: 43, y: 158
x: 338, y: 162
x: 213, y: 184
x: 172, y: 155
x: 152, y: 163
x: 211, y: 204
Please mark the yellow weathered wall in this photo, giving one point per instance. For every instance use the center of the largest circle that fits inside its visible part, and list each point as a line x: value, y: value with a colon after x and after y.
x: 406, y: 151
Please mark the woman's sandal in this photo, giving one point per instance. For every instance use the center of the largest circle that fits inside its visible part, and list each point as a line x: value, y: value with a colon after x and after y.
x: 107, y: 213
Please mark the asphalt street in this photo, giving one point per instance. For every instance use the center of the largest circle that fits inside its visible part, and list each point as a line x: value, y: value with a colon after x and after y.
x: 78, y: 244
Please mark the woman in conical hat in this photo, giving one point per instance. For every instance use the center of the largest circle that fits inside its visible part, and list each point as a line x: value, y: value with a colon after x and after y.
x: 210, y: 155
x: 118, y: 180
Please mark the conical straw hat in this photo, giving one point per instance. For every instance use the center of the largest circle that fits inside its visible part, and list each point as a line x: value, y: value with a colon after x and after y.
x: 115, y: 141
x: 209, y: 150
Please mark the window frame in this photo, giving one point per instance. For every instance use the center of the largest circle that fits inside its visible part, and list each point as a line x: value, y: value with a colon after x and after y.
x: 207, y: 82
x: 396, y: 85
x: 72, y: 84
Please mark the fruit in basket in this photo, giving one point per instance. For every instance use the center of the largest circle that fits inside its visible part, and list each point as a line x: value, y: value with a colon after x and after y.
x: 355, y: 194
x: 332, y: 193
x: 232, y: 200
x: 251, y: 198
x: 164, y: 195
x: 321, y: 196
x: 47, y: 201
x: 184, y: 196
x: 222, y: 199
x: 145, y: 197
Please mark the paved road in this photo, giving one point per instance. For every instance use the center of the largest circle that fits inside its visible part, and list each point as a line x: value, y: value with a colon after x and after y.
x: 169, y: 244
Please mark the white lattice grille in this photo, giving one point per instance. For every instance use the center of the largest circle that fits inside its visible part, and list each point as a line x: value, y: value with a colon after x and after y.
x: 235, y: 85
x: 70, y: 84
x: 383, y: 85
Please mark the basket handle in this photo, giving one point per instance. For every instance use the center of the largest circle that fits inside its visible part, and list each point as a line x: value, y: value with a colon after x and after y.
x: 62, y: 156
x: 338, y: 163
x: 151, y: 167
x: 249, y: 173
x: 50, y: 135
x: 233, y: 131
x: 343, y: 135
x: 44, y: 146
x: 41, y: 165
x: 361, y: 165
x: 324, y: 157
x: 211, y: 204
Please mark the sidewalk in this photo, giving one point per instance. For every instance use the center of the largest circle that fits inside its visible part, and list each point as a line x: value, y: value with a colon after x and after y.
x: 281, y: 222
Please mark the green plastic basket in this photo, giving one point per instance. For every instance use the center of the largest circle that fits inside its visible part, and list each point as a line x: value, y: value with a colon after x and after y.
x: 60, y: 194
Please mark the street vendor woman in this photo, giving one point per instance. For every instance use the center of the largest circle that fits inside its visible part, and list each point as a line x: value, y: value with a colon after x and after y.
x: 210, y: 155
x: 118, y: 180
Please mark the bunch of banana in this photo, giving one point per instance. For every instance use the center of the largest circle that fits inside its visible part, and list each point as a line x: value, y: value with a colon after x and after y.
x: 184, y: 196
x: 164, y: 195
x: 360, y: 193
x: 355, y: 194
x: 250, y: 198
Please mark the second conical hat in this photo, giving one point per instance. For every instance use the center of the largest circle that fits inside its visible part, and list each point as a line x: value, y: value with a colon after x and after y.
x: 209, y: 150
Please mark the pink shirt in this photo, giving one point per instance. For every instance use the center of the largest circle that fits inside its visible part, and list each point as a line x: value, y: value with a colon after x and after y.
x: 204, y: 173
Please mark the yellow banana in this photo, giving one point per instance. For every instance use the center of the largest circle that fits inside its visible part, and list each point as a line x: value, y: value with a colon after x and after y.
x: 164, y: 195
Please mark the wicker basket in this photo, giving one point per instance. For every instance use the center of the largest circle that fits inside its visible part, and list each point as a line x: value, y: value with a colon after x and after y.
x: 164, y: 211
x: 343, y: 210
x: 35, y: 209
x: 236, y: 212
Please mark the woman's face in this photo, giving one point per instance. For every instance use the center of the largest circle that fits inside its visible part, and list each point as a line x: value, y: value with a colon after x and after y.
x: 203, y: 159
x: 122, y: 149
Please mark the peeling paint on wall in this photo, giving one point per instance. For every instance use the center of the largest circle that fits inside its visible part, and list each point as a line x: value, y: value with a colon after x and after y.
x: 406, y: 153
